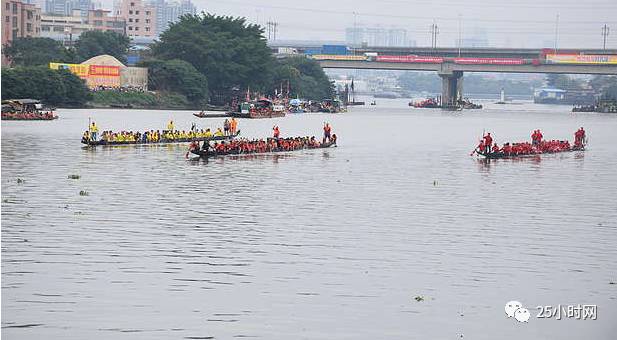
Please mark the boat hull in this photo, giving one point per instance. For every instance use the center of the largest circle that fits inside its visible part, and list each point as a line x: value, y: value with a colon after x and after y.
x: 257, y: 115
x: 501, y: 155
x: 210, y: 153
x: 162, y: 142
x: 37, y: 118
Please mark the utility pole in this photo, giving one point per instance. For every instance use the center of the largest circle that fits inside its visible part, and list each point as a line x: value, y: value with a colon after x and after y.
x: 556, y: 32
x: 605, y: 31
x: 355, y: 29
x: 268, y: 30
x: 460, y: 34
x: 271, y: 28
x: 434, y: 32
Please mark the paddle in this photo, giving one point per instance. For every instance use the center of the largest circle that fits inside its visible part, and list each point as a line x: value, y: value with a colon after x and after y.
x: 476, y: 148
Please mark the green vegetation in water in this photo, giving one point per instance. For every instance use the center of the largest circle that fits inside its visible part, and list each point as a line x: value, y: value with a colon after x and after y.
x: 74, y: 177
x: 84, y: 193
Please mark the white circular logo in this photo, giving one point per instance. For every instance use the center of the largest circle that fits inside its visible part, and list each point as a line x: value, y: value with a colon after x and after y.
x: 511, y: 307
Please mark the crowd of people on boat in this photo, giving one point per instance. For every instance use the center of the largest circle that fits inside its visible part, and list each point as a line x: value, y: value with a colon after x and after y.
x: 243, y: 146
x: 151, y: 136
x: 29, y: 115
x: 274, y: 144
x: 537, y: 146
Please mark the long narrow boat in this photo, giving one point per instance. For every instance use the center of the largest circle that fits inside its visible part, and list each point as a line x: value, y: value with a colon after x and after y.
x: 211, y: 115
x: 212, y: 153
x: 36, y: 117
x: 503, y: 155
x: 162, y: 141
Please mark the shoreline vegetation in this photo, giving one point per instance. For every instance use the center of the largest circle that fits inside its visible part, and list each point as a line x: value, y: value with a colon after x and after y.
x: 201, y: 62
x: 140, y: 100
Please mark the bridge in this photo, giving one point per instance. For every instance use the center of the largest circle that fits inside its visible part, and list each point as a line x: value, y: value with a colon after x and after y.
x: 452, y: 73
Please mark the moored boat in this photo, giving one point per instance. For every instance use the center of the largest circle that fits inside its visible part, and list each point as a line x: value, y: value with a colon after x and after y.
x: 202, y: 114
x: 25, y: 109
x: 262, y: 108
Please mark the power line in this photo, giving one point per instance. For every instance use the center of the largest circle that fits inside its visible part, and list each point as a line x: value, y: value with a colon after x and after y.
x: 271, y: 28
x: 434, y: 32
x: 605, y: 31
x: 313, y: 10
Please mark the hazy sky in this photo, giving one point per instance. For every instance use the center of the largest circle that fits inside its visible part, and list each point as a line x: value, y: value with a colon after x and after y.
x: 515, y: 23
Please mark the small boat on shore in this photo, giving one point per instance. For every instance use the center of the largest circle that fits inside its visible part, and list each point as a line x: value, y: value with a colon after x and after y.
x: 262, y: 108
x: 25, y: 109
x: 162, y: 141
x: 202, y: 114
x: 212, y: 153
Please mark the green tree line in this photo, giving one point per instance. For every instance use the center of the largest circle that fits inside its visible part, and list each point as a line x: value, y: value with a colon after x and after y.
x: 53, y: 87
x: 196, y: 57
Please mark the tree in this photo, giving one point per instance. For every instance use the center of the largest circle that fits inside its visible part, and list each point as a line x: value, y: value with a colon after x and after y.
x: 177, y: 76
x: 93, y: 43
x: 305, y: 76
x: 35, y: 51
x: 76, y: 91
x: 228, y: 51
x: 53, y: 87
x: 560, y: 81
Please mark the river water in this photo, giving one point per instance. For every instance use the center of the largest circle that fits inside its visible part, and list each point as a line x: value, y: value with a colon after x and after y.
x: 319, y: 244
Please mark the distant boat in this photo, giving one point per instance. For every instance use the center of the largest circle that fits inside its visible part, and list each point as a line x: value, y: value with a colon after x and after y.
x: 385, y: 94
x: 502, y: 97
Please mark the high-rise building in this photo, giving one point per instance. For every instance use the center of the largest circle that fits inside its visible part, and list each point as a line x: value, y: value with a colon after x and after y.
x: 20, y: 20
x: 169, y: 12
x: 101, y: 20
x: 377, y: 36
x: 140, y: 18
x: 66, y: 7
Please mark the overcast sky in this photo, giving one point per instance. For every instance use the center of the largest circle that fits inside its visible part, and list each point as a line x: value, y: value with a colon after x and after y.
x: 514, y: 23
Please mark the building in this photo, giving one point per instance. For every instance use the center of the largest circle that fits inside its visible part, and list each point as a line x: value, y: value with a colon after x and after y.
x: 101, y: 20
x: 67, y: 29
x: 377, y: 36
x: 64, y: 28
x: 169, y: 12
x: 105, y: 71
x: 68, y: 7
x: 20, y: 20
x: 478, y: 37
x: 140, y: 18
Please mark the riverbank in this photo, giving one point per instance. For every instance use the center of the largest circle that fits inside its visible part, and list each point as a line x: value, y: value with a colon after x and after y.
x: 140, y: 100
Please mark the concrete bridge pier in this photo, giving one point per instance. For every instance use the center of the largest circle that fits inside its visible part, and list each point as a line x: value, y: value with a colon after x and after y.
x: 451, y: 88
